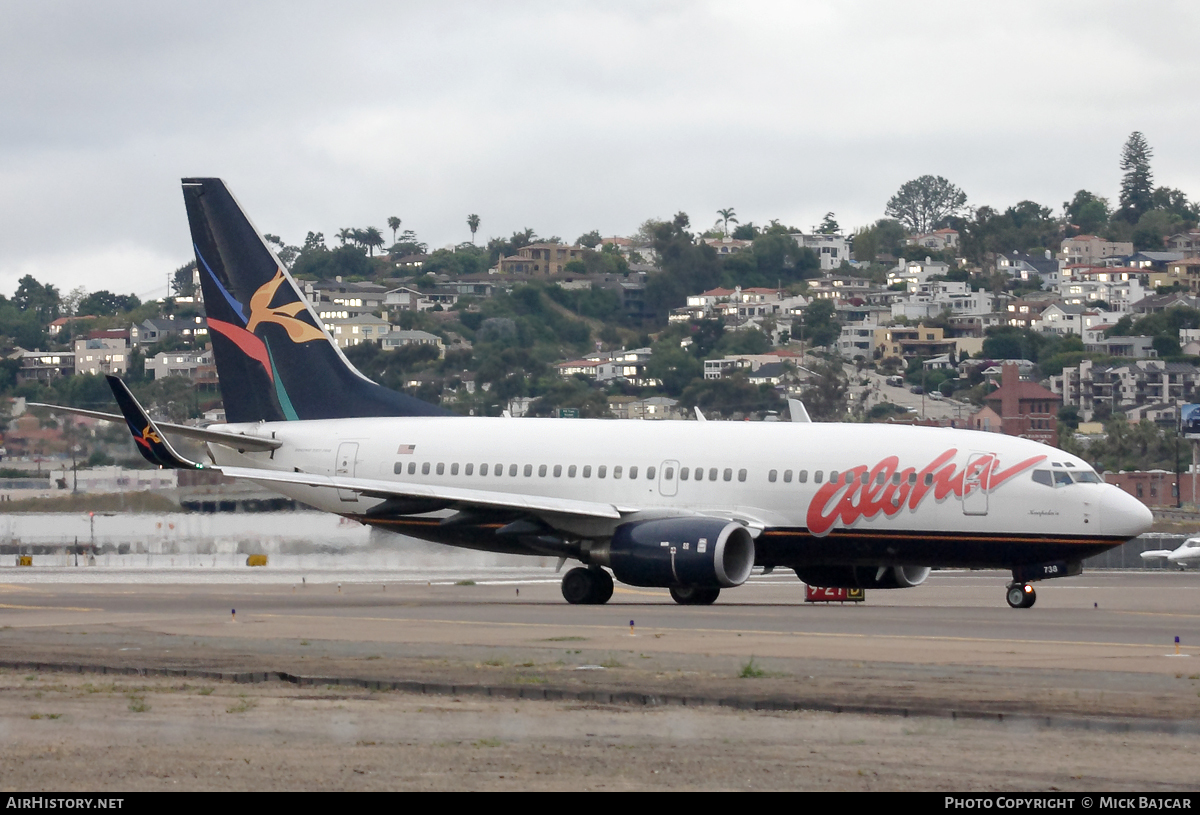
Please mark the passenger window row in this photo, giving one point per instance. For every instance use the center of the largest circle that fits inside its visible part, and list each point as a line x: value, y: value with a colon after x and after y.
x: 863, y: 478
x: 585, y: 471
x: 602, y: 471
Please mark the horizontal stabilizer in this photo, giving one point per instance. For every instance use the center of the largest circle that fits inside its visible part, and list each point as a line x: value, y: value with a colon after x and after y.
x: 238, y: 441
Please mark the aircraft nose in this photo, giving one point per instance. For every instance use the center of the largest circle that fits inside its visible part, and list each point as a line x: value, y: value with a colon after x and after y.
x: 1123, y: 515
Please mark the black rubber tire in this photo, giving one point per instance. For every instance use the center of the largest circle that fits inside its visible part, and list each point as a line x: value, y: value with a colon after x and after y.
x: 1015, y: 596
x: 578, y: 586
x: 603, y: 586
x: 1018, y: 597
x: 694, y: 595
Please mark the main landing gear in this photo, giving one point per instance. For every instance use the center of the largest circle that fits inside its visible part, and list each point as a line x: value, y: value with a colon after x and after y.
x: 694, y: 595
x: 587, y: 586
x: 1020, y: 595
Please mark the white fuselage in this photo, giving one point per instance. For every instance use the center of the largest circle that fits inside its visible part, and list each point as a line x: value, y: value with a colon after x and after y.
x: 775, y: 476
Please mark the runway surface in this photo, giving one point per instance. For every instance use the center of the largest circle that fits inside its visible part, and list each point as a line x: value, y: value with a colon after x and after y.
x: 1098, y: 621
x: 493, y: 672
x: 1102, y: 629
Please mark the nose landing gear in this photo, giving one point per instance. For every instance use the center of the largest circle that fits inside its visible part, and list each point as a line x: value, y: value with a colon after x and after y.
x: 1020, y: 595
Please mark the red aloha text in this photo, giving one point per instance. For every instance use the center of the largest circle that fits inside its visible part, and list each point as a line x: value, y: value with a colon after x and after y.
x: 877, y: 493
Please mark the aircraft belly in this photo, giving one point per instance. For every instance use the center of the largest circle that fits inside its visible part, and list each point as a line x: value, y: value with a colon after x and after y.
x: 798, y: 547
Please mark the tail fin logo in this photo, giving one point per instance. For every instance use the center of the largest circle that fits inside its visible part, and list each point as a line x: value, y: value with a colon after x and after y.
x: 261, y: 311
x: 285, y: 315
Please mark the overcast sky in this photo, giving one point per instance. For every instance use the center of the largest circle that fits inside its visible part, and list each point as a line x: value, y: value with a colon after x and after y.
x: 560, y: 116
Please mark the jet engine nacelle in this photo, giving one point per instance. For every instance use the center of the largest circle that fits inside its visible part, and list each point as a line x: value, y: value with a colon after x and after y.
x: 863, y: 577
x: 704, y: 552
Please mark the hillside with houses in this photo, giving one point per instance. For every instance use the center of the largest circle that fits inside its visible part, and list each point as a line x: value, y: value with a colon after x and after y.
x: 1078, y: 326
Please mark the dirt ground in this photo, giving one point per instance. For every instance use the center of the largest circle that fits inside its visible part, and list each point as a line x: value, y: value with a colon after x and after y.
x: 96, y: 732
x: 954, y: 699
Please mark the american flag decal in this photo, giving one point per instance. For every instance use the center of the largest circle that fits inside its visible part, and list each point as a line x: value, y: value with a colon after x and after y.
x: 406, y: 449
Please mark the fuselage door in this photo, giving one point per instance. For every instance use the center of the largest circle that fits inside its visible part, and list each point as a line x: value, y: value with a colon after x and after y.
x: 975, y: 487
x: 344, y: 466
x: 668, y: 478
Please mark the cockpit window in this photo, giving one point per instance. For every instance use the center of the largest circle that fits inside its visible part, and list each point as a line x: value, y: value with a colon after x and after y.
x: 1062, y: 478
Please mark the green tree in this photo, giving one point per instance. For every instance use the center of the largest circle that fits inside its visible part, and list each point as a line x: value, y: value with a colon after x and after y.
x: 37, y: 298
x: 819, y: 326
x: 473, y: 225
x: 372, y: 239
x: 1137, y: 183
x: 1087, y: 212
x: 104, y: 303
x: 727, y: 217
x: 394, y: 225
x: 825, y: 396
x: 589, y: 240
x: 183, y: 280
x: 829, y: 226
x: 1153, y: 227
x: 923, y: 202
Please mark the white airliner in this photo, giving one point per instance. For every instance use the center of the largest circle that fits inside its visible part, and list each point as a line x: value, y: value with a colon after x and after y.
x: 690, y: 506
x: 1188, y: 554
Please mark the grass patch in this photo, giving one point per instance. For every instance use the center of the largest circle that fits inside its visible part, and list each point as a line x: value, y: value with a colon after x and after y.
x: 97, y: 502
x: 243, y: 704
x: 137, y: 704
x: 612, y: 662
x: 751, y: 671
x: 205, y: 691
x: 487, y: 743
x: 465, y: 583
x: 498, y: 662
x: 88, y: 687
x: 566, y: 639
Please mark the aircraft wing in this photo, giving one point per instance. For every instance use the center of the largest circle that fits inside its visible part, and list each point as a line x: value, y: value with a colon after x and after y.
x: 1156, y: 554
x: 374, y: 488
x: 237, y: 441
x: 155, y: 448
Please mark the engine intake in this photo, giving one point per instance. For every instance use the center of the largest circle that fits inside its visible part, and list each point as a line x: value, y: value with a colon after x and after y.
x: 863, y: 577
x: 707, y: 552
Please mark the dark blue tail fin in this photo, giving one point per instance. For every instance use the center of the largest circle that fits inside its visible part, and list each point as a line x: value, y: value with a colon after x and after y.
x: 274, y: 359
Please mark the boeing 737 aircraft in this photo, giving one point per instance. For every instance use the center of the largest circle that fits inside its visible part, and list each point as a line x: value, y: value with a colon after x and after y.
x: 689, y: 506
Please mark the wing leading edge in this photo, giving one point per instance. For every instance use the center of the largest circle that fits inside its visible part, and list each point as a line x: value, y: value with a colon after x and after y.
x: 155, y: 448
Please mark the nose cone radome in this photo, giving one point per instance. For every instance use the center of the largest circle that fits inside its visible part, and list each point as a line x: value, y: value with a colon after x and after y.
x: 1123, y: 515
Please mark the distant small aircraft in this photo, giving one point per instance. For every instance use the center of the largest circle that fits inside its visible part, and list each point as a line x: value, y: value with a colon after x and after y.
x: 1187, y: 554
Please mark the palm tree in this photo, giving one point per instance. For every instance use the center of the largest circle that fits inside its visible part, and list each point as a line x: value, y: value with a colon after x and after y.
x: 394, y: 225
x: 473, y: 223
x: 727, y: 216
x: 345, y: 234
x: 371, y: 238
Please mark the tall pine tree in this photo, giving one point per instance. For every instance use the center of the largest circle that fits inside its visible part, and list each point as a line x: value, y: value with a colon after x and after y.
x: 1137, y: 185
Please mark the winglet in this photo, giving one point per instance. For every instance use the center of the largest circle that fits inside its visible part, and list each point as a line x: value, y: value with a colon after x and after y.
x: 799, y: 413
x: 151, y: 443
x: 699, y: 415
